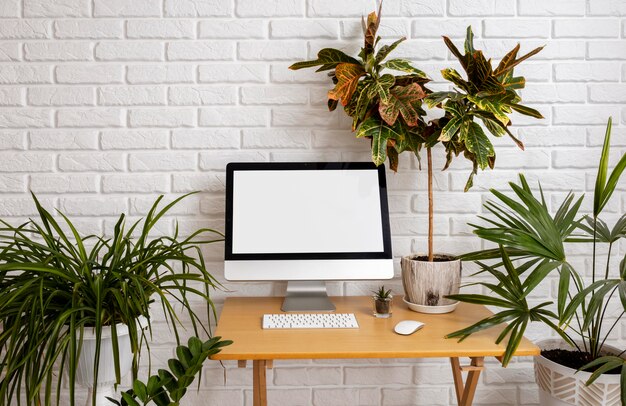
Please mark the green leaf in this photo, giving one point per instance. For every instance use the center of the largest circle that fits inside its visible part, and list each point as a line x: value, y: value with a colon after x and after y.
x: 527, y: 111
x: 140, y: 390
x: 184, y: 356
x: 513, y: 63
x: 508, y: 58
x: 514, y: 82
x: 450, y: 129
x: 348, y: 76
x: 603, y: 188
x: 379, y: 132
x: 477, y: 143
x: 154, y: 385
x: 402, y: 100
x: 497, y: 105
x: 176, y: 367
x: 454, y: 77
x: 469, y: 41
x: 129, y: 399
x: 380, y: 87
x: 435, y: 98
x: 386, y: 50
x: 403, y: 65
x: 564, y: 278
x: 329, y: 58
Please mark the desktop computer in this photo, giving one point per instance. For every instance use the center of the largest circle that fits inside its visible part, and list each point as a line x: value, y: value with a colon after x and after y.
x: 307, y: 223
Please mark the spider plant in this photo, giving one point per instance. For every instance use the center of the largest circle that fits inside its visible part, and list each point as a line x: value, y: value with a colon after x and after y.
x: 525, y: 230
x: 55, y: 284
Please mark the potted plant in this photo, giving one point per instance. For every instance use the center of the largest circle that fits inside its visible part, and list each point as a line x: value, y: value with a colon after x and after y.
x: 525, y: 230
x: 387, y: 109
x: 80, y: 304
x: 383, y: 300
x: 167, y: 388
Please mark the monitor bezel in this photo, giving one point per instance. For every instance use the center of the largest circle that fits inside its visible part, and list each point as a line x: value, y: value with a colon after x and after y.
x: 232, y: 167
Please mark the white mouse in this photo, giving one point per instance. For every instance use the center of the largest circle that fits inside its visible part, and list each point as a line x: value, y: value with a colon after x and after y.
x: 408, y: 327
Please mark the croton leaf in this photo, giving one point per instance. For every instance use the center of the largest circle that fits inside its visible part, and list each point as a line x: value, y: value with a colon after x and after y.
x: 328, y: 58
x: 392, y: 154
x: 497, y: 105
x: 360, y: 102
x: 508, y: 58
x: 453, y: 76
x: 332, y: 104
x: 380, y: 133
x: 450, y: 129
x: 348, y: 75
x: 380, y: 87
x: 369, y: 30
x: 477, y: 143
x: 514, y: 82
x: 469, y: 41
x: 402, y: 100
x: 510, y: 63
x: 527, y: 111
x: 403, y: 65
x: 386, y: 49
x: 435, y: 98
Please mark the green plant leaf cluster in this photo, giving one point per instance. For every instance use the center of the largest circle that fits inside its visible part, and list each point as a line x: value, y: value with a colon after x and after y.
x: 523, y: 227
x: 381, y: 293
x: 485, y: 95
x: 387, y: 107
x: 167, y: 388
x: 56, y: 283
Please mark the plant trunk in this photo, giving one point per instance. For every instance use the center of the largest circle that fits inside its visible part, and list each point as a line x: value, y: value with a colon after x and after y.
x: 430, y: 204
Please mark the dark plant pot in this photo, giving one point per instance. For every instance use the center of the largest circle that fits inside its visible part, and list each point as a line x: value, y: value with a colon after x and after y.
x: 382, y: 307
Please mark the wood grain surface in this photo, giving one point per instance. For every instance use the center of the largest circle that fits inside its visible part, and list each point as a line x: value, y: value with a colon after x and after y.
x: 241, y: 320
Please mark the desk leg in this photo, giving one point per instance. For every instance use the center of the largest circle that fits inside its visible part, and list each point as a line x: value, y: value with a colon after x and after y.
x: 465, y: 391
x: 259, y: 382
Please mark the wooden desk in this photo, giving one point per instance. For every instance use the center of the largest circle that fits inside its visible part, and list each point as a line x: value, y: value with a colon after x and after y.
x: 241, y: 320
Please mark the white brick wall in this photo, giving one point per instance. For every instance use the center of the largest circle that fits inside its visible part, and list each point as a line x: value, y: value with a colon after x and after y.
x: 105, y: 104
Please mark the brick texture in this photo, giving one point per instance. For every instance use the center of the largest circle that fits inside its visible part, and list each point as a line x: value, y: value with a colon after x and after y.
x: 105, y: 104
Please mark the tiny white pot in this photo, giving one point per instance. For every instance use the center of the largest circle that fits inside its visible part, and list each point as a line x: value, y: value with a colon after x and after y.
x: 563, y: 386
x: 106, y: 366
x: 427, y: 283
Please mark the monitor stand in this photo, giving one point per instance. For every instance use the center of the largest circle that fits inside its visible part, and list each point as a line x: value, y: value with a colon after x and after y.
x: 307, y: 296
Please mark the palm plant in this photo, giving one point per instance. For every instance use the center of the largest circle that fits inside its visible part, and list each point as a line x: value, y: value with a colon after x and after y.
x: 525, y: 230
x: 56, y: 284
x: 387, y: 108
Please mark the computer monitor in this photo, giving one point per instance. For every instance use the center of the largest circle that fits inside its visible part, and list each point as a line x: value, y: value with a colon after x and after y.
x: 307, y: 223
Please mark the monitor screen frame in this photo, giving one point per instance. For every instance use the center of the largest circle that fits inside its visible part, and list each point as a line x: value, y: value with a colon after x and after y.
x: 232, y: 167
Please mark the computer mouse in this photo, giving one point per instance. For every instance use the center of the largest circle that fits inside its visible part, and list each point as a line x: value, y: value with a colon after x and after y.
x: 408, y: 327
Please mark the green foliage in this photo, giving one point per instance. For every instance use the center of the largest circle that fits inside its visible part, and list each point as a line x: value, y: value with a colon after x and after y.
x: 607, y: 363
x: 57, y: 283
x: 524, y: 229
x: 383, y: 106
x: 381, y: 293
x: 167, y: 388
x: 387, y: 108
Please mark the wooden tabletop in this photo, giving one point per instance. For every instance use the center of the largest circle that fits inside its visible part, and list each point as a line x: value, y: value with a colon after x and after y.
x: 241, y: 320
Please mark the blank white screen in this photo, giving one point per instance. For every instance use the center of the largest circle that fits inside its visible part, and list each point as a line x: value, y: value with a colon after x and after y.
x: 306, y: 211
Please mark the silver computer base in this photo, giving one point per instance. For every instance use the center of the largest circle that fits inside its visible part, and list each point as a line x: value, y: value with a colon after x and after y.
x: 307, y: 296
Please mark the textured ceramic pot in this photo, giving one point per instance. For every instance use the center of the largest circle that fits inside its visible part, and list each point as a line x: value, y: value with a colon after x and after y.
x: 563, y: 386
x: 427, y: 283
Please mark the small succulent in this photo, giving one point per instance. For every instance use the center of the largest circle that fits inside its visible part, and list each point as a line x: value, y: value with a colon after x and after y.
x: 382, y: 294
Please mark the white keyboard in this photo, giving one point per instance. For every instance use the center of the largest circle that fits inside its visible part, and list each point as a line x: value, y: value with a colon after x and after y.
x: 309, y: 320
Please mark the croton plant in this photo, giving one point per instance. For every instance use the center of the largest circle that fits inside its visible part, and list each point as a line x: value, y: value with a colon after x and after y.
x: 387, y: 107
